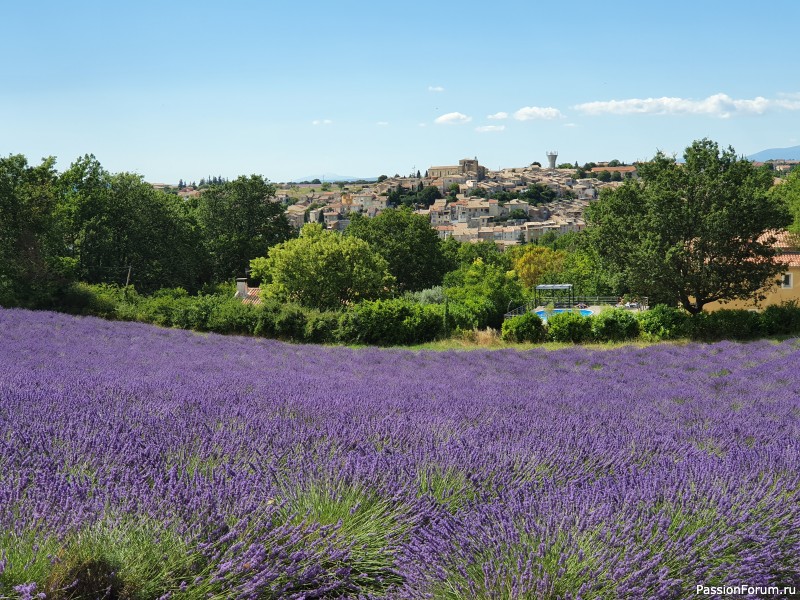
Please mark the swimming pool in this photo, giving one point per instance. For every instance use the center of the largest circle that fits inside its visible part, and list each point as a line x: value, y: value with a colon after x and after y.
x: 585, y: 312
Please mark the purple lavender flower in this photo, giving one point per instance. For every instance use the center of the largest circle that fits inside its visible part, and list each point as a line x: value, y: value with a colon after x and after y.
x: 255, y: 468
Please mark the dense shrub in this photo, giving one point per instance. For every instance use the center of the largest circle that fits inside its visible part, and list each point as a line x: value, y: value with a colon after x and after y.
x: 321, y: 326
x: 725, y: 325
x: 491, y: 286
x: 569, y: 327
x: 265, y: 317
x: 663, y: 322
x: 527, y: 327
x: 230, y: 315
x: 194, y: 312
x: 160, y: 307
x: 391, y: 322
x: 86, y: 299
x: 290, y: 322
x: 474, y: 312
x: 415, y: 318
x: 614, y: 325
x: 433, y: 295
x: 781, y: 319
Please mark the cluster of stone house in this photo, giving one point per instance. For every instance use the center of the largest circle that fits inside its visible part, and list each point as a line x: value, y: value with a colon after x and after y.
x: 477, y: 220
x: 333, y: 208
x: 467, y: 216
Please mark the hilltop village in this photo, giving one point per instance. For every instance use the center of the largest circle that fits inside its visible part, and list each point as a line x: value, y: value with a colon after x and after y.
x: 467, y: 201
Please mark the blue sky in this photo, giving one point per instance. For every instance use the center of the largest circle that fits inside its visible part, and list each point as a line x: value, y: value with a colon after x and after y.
x: 286, y: 89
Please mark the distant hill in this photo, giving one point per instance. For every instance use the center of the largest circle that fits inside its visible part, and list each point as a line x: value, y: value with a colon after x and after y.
x: 333, y: 178
x: 792, y: 153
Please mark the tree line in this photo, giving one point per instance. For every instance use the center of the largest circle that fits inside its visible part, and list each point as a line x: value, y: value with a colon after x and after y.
x: 87, y: 224
x: 685, y: 234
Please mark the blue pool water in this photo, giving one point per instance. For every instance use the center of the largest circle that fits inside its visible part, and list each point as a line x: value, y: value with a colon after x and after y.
x: 543, y: 313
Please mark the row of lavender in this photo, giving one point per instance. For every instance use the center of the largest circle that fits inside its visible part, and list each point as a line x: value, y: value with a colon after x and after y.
x: 162, y: 463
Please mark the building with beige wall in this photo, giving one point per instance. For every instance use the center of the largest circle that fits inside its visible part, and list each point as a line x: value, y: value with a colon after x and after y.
x: 464, y: 167
x: 786, y: 289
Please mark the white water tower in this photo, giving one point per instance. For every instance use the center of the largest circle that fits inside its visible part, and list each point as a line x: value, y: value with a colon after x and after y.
x: 552, y: 155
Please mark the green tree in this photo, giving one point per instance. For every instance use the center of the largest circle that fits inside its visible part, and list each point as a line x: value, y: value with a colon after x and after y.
x: 239, y: 222
x: 428, y: 195
x: 580, y: 265
x: 690, y: 233
x: 116, y: 224
x: 487, y: 251
x: 32, y: 265
x: 537, y: 193
x: 604, y: 176
x: 323, y: 269
x: 536, y: 261
x: 479, y: 282
x: 788, y: 192
x: 409, y: 245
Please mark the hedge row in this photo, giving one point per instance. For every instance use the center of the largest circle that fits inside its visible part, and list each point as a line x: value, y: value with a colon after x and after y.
x: 659, y: 323
x: 392, y: 322
x: 402, y: 321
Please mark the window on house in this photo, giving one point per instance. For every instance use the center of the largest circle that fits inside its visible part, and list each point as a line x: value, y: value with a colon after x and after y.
x: 786, y: 281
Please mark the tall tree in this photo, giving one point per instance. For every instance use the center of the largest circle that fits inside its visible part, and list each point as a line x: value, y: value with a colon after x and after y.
x: 534, y: 262
x: 788, y: 191
x: 482, y: 283
x: 323, y: 269
x: 408, y: 243
x: 691, y: 233
x: 239, y: 222
x: 117, y: 224
x: 31, y: 254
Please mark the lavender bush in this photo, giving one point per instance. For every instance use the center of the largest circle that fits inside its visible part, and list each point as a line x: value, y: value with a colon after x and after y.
x: 138, y: 462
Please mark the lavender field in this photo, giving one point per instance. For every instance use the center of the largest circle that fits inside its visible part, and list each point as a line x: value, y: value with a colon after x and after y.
x: 138, y: 462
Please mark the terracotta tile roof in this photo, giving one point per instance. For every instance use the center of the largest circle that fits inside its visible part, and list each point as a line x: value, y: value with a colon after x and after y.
x: 786, y: 240
x: 625, y: 169
x: 789, y: 259
x: 253, y: 297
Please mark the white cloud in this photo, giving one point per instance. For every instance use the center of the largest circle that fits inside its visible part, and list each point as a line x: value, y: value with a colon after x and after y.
x: 527, y: 113
x: 435, y: 88
x: 718, y: 105
x: 453, y: 118
x: 321, y: 122
x: 422, y: 125
x: 787, y: 104
x: 570, y: 125
x: 498, y: 115
x: 382, y: 123
x: 487, y: 128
